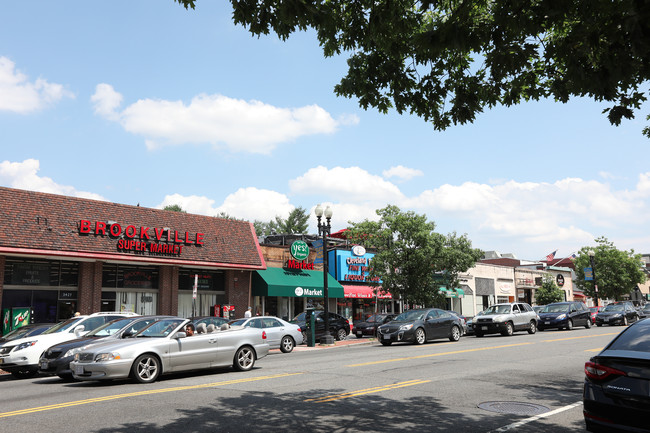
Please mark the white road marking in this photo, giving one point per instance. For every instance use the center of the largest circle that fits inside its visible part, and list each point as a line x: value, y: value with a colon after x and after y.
x: 536, y: 417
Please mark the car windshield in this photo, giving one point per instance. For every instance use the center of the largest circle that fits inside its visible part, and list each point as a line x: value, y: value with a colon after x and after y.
x: 19, y: 333
x: 635, y: 338
x: 160, y: 329
x: 498, y: 309
x: 300, y: 317
x: 409, y: 316
x: 560, y: 308
x: 63, y: 326
x: 614, y: 307
x: 374, y: 318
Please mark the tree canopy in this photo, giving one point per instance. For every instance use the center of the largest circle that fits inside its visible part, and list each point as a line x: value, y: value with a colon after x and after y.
x: 411, y: 256
x: 296, y: 223
x: 549, y: 292
x: 617, y: 272
x: 448, y: 60
x: 174, y: 208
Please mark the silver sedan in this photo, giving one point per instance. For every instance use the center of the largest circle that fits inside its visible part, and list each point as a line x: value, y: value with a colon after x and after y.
x: 164, y: 347
x: 279, y: 333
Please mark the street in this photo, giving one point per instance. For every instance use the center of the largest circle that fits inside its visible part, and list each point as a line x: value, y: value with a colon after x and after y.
x: 356, y: 388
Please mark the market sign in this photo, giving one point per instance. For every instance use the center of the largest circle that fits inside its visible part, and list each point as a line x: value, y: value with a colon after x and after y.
x: 559, y: 280
x: 299, y: 250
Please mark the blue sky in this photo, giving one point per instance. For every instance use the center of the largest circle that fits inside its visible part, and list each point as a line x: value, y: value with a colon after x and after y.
x: 145, y: 102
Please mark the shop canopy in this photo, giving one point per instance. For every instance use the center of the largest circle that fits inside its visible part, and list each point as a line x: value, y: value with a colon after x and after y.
x: 364, y: 292
x: 452, y: 293
x: 295, y: 283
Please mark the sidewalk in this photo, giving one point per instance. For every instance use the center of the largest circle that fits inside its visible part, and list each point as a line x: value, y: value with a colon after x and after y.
x: 344, y: 343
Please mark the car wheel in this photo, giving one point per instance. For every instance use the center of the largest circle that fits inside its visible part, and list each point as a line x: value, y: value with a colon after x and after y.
x: 569, y: 325
x: 624, y: 320
x: 24, y: 373
x: 588, y: 324
x: 304, y: 337
x: 287, y: 344
x: 532, y: 328
x: 244, y: 359
x: 508, y: 331
x: 386, y: 343
x: 341, y: 334
x: 145, y: 369
x: 420, y: 336
x: 455, y: 334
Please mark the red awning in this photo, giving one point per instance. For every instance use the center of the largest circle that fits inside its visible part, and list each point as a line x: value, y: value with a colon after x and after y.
x: 363, y: 292
x: 577, y: 294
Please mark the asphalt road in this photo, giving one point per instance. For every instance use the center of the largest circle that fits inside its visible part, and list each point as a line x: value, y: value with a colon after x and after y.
x: 358, y: 388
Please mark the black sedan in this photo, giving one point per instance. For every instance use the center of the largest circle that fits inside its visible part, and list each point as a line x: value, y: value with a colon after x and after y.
x: 618, y: 313
x: 339, y: 325
x: 370, y: 325
x: 616, y: 393
x: 420, y: 326
x: 56, y: 359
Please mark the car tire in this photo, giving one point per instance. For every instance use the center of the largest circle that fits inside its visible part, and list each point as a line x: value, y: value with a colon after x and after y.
x: 341, y: 334
x: 386, y: 343
x: 244, y: 359
x: 25, y: 373
x: 569, y: 325
x: 532, y: 327
x: 454, y: 335
x: 304, y: 337
x: 420, y: 336
x: 624, y: 320
x: 588, y: 324
x: 287, y: 344
x: 146, y: 368
x: 508, y: 331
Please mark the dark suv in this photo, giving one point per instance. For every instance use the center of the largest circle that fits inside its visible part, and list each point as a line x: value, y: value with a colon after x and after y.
x: 564, y: 315
x: 339, y: 325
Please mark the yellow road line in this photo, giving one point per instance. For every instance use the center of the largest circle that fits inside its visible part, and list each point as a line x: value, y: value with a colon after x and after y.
x: 367, y: 391
x: 575, y: 338
x: 437, y: 354
x: 594, y: 350
x: 140, y: 393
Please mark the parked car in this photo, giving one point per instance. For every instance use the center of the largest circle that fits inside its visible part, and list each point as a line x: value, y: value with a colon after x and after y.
x: 506, y: 319
x: 617, y: 313
x: 538, y: 308
x: 615, y: 396
x: 646, y: 310
x: 209, y: 320
x: 420, y: 326
x: 279, y: 333
x: 470, y: 321
x: 463, y: 320
x: 26, y: 331
x: 56, y: 359
x: 339, y: 325
x: 370, y: 325
x: 594, y: 311
x: 20, y: 357
x: 564, y: 315
x: 164, y: 347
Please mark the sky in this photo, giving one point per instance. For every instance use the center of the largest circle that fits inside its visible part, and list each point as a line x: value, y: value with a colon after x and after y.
x: 144, y: 102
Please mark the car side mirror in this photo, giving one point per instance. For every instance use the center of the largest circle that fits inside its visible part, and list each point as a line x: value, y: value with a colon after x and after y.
x: 128, y: 333
x: 79, y: 331
x: 180, y: 334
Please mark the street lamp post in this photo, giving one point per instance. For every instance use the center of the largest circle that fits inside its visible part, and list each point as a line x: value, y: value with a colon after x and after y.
x: 591, y: 254
x: 324, y: 230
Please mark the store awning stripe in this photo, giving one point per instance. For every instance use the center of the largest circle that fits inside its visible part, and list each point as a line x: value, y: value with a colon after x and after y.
x: 294, y: 283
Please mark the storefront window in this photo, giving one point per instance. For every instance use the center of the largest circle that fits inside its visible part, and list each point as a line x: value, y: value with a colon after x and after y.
x: 210, y: 292
x: 51, y: 273
x: 130, y: 277
x: 207, y: 280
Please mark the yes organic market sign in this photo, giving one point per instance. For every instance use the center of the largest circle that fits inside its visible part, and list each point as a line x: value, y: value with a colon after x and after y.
x: 299, y: 250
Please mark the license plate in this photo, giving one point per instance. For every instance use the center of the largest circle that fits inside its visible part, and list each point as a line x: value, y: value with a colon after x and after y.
x: 43, y: 365
x: 78, y: 369
x: 547, y: 323
x: 386, y: 337
x: 606, y: 319
x: 484, y: 328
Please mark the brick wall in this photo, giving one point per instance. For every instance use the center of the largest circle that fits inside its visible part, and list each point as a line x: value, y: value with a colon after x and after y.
x: 89, y: 295
x: 168, y: 290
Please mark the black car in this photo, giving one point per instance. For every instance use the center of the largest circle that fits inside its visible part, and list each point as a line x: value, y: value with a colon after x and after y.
x: 370, y: 325
x: 617, y: 313
x: 564, y: 315
x: 616, y: 393
x: 339, y: 325
x: 420, y: 326
x: 56, y: 359
x: 26, y: 331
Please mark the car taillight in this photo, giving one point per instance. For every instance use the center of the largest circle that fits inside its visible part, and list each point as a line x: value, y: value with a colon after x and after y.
x: 597, y: 371
x: 263, y: 335
x: 299, y: 330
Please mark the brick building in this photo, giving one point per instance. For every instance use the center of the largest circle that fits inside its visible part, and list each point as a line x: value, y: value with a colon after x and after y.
x: 62, y: 254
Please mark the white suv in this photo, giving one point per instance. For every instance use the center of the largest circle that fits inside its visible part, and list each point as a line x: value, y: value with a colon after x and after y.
x: 20, y: 357
x: 506, y: 319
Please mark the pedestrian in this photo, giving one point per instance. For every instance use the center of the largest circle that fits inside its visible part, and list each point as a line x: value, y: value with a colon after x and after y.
x: 248, y: 313
x: 77, y: 314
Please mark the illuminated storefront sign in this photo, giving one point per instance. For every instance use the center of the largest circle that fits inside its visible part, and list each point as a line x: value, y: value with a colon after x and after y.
x: 352, y: 267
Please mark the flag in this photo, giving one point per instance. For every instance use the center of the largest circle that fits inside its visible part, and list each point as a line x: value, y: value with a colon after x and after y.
x: 573, y: 256
x: 551, y: 256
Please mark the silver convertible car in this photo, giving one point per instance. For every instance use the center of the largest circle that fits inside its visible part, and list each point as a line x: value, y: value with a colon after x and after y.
x: 165, y: 347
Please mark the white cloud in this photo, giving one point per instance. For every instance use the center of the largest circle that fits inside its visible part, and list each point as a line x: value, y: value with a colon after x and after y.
x: 240, y: 126
x: 24, y: 175
x: 402, y: 173
x: 19, y: 95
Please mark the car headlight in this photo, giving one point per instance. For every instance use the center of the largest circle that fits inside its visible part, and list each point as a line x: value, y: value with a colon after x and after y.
x: 24, y: 345
x: 72, y: 352
x: 561, y: 317
x: 617, y: 315
x: 107, y: 357
x: 406, y: 327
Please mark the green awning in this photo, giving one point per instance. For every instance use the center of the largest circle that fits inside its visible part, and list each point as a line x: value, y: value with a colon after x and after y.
x: 452, y: 293
x: 295, y: 283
